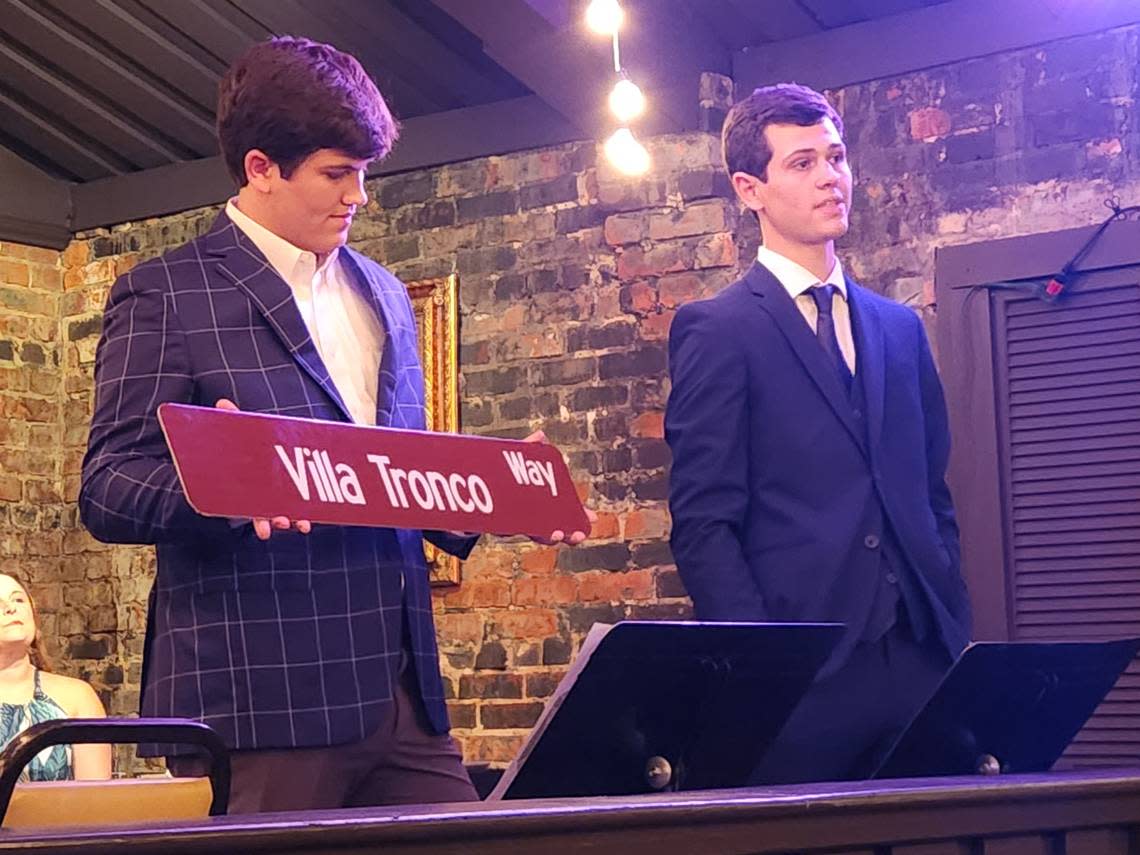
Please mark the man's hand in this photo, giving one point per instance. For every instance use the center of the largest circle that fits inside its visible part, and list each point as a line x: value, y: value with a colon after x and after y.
x: 559, y: 536
x: 263, y: 527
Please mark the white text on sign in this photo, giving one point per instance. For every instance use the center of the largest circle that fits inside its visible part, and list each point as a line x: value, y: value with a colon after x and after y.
x: 531, y: 472
x: 316, y: 477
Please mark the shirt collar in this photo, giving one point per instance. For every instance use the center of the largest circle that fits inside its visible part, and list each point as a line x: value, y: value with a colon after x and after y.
x: 797, y: 279
x: 290, y: 262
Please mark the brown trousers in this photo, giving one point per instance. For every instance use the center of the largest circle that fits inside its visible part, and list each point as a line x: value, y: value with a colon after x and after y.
x: 403, y: 762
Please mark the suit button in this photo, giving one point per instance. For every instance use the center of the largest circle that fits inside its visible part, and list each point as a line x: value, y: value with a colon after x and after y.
x: 858, y: 414
x: 871, y: 541
x: 892, y: 578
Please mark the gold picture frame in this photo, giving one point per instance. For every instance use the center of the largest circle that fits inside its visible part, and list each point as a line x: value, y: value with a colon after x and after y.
x: 435, y: 303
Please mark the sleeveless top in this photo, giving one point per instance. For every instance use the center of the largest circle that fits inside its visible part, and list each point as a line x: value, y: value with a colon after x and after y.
x: 51, y: 764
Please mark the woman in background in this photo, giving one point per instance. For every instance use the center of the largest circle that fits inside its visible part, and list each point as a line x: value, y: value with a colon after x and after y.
x: 30, y: 693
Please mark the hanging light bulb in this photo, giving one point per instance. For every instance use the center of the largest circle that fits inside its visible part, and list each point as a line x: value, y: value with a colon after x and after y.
x: 604, y: 17
x: 626, y: 100
x: 627, y: 155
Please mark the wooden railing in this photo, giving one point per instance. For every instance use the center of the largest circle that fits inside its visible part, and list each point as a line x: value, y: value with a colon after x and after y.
x: 1085, y: 813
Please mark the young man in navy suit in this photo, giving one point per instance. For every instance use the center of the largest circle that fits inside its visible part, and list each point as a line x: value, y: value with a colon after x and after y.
x: 310, y: 649
x: 810, y: 441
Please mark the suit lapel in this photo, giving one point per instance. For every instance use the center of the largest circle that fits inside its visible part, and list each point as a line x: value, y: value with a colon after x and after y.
x: 240, y: 261
x: 777, y: 303
x: 380, y: 298
x: 868, y: 334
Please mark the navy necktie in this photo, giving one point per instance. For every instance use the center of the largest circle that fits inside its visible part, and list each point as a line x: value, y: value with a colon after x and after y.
x: 825, y: 332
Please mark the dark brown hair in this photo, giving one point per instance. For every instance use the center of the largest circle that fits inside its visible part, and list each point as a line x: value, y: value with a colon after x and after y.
x: 742, y: 138
x: 36, y: 652
x: 290, y: 97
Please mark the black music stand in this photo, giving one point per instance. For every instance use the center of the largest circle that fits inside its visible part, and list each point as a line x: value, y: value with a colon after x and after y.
x: 1007, y: 708
x: 651, y: 706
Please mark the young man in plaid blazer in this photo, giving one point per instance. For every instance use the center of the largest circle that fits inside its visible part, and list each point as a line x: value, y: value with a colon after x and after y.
x: 311, y: 650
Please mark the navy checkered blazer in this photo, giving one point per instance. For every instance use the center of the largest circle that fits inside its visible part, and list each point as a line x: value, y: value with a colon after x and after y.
x: 294, y: 641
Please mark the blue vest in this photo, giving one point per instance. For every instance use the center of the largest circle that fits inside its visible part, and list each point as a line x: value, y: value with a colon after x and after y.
x: 895, y: 581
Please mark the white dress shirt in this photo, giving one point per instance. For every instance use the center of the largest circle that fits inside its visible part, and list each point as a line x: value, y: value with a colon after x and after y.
x: 797, y: 281
x: 343, y: 325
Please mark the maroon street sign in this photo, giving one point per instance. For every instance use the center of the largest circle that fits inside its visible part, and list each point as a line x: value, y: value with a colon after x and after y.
x: 235, y: 464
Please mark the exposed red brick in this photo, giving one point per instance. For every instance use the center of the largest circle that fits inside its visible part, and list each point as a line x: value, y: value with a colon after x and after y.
x: 509, y: 716
x: 479, y: 594
x: 655, y: 326
x: 462, y: 715
x: 605, y: 526
x: 78, y: 252
x: 603, y: 586
x: 490, y: 686
x: 499, y: 749
x: 126, y: 263
x: 716, y: 251
x: 622, y: 229
x: 646, y: 523
x: 14, y: 272
x: 929, y: 123
x: 534, y: 345
x: 582, y: 489
x: 27, y: 409
x: 35, y: 254
x: 40, y: 492
x: 665, y: 258
x: 539, y: 561
x: 697, y: 219
x: 10, y: 488
x: 541, y: 684
x: 514, y: 317
x: 1105, y: 148
x: 679, y: 288
x: 459, y: 627
x: 651, y: 424
x: 544, y: 591
x: 489, y: 561
x: 530, y: 623
x: 46, y: 278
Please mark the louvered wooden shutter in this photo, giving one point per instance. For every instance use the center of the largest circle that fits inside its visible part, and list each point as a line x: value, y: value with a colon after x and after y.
x: 1067, y: 399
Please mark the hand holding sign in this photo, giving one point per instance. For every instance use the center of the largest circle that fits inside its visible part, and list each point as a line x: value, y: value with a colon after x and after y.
x: 263, y: 527
x: 283, y: 472
x: 559, y: 536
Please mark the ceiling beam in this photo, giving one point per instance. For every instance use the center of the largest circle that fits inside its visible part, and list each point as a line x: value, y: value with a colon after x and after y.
x: 126, y: 87
x: 925, y: 38
x: 559, y: 64
x: 293, y: 17
x: 545, y: 45
x: 51, y: 142
x: 741, y: 22
x: 441, y: 72
x: 425, y: 141
x: 666, y: 47
x: 130, y: 30
x: 34, y: 206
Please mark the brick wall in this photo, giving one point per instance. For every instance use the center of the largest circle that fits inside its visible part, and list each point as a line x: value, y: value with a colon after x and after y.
x: 1019, y: 143
x: 33, y: 518
x: 568, y: 280
x: 569, y: 277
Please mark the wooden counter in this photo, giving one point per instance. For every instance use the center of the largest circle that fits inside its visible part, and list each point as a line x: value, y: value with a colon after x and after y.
x: 1062, y: 813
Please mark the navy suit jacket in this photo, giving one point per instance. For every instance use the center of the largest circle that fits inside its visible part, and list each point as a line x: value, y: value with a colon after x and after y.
x: 773, y: 471
x: 290, y: 642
